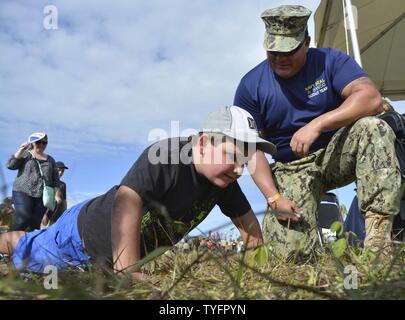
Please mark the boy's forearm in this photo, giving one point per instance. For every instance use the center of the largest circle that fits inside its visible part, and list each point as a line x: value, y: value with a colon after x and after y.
x: 260, y: 171
x: 125, y: 255
x: 126, y: 230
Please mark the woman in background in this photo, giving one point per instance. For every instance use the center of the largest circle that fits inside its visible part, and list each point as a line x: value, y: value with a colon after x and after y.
x: 29, y: 183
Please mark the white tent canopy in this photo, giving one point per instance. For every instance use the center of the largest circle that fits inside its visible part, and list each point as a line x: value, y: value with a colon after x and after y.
x: 381, y: 39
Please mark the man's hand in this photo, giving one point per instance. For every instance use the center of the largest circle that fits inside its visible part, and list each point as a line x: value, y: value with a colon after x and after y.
x: 286, y: 209
x: 303, y: 139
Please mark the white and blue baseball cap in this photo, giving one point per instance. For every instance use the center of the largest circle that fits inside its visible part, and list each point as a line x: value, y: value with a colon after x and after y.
x: 36, y: 136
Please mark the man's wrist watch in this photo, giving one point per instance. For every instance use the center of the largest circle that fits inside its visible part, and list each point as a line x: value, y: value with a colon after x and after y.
x: 272, y: 200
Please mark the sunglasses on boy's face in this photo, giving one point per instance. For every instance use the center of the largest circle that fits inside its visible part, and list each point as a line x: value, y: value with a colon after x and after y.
x: 289, y: 53
x: 42, y: 142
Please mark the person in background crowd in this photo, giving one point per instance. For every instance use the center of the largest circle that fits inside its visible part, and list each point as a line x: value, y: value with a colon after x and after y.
x: 51, y: 216
x: 29, y: 183
x: 7, y: 214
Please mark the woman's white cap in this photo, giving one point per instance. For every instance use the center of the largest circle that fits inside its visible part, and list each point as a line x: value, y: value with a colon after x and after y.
x: 36, y: 136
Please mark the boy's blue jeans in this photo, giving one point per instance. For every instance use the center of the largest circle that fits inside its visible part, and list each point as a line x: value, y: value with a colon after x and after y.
x: 58, y: 245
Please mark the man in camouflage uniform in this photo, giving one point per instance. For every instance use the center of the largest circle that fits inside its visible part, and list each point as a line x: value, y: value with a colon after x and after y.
x: 317, y: 106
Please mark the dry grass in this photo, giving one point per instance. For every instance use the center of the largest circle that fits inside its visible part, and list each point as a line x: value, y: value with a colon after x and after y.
x: 207, y: 275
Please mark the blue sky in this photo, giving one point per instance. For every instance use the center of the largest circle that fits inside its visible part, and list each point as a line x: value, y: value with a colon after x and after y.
x: 114, y: 71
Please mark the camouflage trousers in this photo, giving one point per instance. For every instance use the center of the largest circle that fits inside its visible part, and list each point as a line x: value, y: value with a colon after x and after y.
x: 364, y: 152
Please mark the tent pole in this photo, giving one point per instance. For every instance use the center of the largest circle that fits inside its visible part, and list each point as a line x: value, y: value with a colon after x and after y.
x: 345, y: 25
x: 353, y: 34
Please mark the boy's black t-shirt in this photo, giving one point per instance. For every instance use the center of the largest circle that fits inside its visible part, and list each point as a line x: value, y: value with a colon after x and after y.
x: 176, y: 199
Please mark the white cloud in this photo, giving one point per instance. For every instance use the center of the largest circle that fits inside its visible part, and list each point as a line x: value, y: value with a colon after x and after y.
x: 112, y: 72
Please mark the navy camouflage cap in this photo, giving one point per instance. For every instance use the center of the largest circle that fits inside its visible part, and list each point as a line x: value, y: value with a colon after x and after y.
x: 285, y: 27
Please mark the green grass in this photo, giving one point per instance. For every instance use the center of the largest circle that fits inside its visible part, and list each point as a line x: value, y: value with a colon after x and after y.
x: 207, y: 275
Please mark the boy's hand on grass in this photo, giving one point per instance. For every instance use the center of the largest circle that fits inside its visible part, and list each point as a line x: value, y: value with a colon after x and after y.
x: 139, y: 277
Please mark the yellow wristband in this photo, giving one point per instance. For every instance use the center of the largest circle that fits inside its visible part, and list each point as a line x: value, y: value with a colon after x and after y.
x: 274, y: 198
